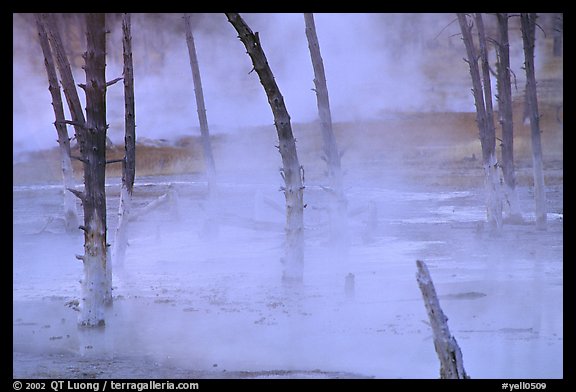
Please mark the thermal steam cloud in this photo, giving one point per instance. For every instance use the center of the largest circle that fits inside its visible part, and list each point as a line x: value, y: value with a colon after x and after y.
x: 375, y: 64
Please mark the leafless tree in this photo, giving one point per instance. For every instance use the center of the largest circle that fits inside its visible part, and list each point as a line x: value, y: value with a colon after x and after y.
x: 528, y: 26
x: 70, y: 211
x: 200, y: 105
x: 66, y: 77
x: 91, y: 136
x: 504, y: 86
x: 291, y: 171
x: 96, y: 290
x: 331, y: 155
x: 129, y: 161
x: 484, y: 116
x: 447, y: 349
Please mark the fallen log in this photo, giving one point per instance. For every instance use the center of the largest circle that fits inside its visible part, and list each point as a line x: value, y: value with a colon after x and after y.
x: 449, y: 354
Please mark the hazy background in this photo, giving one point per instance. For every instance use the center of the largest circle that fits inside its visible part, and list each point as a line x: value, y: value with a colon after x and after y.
x: 191, y: 300
x: 375, y: 63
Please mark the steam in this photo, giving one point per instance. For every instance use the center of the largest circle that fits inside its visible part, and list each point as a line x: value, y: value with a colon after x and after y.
x: 375, y: 64
x: 369, y: 69
x: 191, y: 300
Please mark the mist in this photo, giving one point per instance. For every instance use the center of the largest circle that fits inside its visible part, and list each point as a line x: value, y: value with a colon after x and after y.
x: 382, y: 63
x: 378, y: 65
x: 200, y: 294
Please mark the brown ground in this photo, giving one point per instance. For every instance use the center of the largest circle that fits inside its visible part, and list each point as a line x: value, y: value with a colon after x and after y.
x: 445, y: 138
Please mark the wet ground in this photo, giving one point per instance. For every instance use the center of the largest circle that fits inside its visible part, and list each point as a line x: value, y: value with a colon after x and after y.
x: 194, y: 305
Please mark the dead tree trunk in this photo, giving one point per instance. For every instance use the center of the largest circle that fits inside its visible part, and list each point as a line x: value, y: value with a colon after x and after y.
x: 91, y: 136
x: 129, y: 162
x: 331, y: 153
x: 96, y: 291
x: 292, y: 172
x: 201, y: 107
x: 210, y: 227
x: 485, y: 121
x: 504, y: 86
x: 447, y: 349
x: 70, y: 211
x: 493, y: 178
x: 528, y: 26
x: 66, y: 78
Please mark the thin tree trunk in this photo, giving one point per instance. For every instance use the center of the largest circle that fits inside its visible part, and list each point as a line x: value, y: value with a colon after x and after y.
x: 210, y: 228
x: 291, y: 171
x: 331, y: 153
x: 91, y: 136
x: 504, y: 86
x: 494, y: 197
x: 96, y: 291
x: 201, y: 107
x: 129, y: 162
x: 66, y: 78
x: 528, y: 26
x: 485, y: 121
x: 447, y: 349
x: 70, y: 211
x: 490, y: 133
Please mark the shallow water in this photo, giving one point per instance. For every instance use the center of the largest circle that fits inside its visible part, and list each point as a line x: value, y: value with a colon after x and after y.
x: 213, y: 306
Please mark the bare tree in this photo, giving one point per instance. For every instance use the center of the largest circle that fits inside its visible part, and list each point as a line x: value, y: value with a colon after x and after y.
x: 210, y: 227
x: 70, y: 211
x: 484, y: 117
x: 504, y: 86
x: 66, y: 77
x: 447, y: 349
x: 129, y: 161
x: 291, y: 171
x: 96, y: 291
x: 201, y: 107
x: 91, y: 136
x: 331, y: 153
x: 528, y: 26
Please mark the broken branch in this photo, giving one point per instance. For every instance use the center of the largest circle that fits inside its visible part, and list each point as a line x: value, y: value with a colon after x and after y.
x: 70, y: 122
x: 110, y: 83
x: 78, y: 194
x: 447, y: 349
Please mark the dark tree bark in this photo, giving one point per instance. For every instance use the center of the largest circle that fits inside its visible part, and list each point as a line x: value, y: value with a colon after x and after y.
x: 96, y: 293
x: 70, y: 212
x: 447, y: 349
x: 291, y: 170
x: 490, y: 132
x: 66, y: 78
x: 504, y: 86
x: 331, y: 153
x: 91, y: 136
x: 484, y: 119
x: 201, y: 107
x: 129, y: 161
x: 528, y: 26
